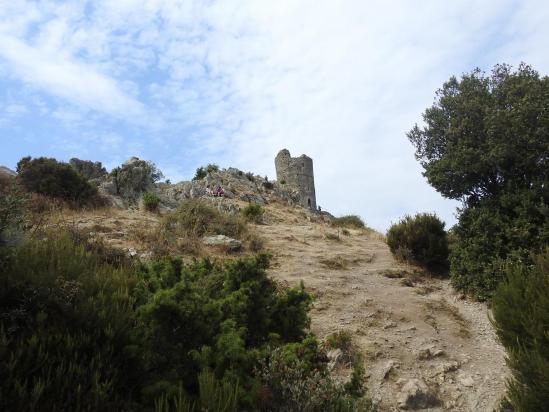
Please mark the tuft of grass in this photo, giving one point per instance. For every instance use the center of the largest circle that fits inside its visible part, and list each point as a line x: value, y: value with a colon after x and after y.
x: 349, y: 221
x: 393, y: 274
x: 332, y: 236
x: 335, y: 263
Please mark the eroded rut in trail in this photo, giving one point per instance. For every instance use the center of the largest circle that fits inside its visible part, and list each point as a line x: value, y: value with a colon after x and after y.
x: 413, y: 334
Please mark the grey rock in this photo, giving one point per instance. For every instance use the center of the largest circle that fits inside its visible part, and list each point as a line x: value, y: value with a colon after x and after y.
x: 389, y: 367
x: 253, y: 199
x: 222, y: 240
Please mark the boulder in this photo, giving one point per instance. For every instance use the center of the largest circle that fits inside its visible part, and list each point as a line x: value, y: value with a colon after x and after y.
x: 253, y: 199
x: 222, y: 240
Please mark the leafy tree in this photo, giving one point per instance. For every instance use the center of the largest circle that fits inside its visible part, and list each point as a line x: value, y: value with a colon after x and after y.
x: 486, y: 135
x: 486, y: 142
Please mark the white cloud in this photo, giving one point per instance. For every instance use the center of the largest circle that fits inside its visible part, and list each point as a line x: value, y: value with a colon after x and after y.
x: 235, y: 81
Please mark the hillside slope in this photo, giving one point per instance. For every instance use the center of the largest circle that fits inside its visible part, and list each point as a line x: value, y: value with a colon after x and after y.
x: 415, y: 334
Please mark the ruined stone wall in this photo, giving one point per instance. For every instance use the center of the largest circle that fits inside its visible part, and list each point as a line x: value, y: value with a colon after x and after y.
x: 298, y: 173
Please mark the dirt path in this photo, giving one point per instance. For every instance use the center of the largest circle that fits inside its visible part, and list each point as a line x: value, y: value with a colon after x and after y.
x: 420, y: 331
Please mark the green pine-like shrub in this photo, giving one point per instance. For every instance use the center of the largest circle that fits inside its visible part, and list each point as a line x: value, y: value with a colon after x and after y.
x: 150, y: 201
x: 349, y: 221
x: 520, y: 308
x: 253, y: 213
x: 421, y: 240
x: 55, y: 179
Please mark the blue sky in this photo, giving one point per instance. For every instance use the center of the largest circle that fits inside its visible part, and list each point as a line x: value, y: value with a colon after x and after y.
x: 184, y: 83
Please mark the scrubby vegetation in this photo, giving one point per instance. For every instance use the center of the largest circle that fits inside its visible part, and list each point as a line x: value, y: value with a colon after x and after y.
x: 58, y: 180
x: 197, y: 218
x: 520, y: 308
x: 421, y: 240
x: 12, y: 204
x: 203, y: 171
x: 253, y: 213
x: 150, y: 201
x: 163, y: 336
x: 349, y: 221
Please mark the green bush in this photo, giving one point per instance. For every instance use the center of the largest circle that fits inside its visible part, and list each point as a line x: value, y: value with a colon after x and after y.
x: 56, y: 179
x: 520, y: 308
x: 202, y: 171
x: 349, y: 221
x: 420, y: 240
x: 253, y: 213
x: 250, y: 176
x: 150, y: 201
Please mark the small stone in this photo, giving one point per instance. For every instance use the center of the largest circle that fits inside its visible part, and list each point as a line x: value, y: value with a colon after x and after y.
x: 132, y: 252
x: 415, y: 394
x: 389, y: 367
x: 466, y: 380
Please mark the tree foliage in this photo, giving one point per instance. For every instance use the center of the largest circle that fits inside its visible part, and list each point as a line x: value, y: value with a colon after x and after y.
x: 485, y: 135
x: 486, y: 142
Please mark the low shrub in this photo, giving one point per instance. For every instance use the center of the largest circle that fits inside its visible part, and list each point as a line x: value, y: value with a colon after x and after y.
x: 349, y: 221
x: 253, y: 213
x: 421, y: 240
x: 268, y: 185
x: 55, y: 179
x: 520, y: 308
x: 150, y: 201
x: 250, y: 176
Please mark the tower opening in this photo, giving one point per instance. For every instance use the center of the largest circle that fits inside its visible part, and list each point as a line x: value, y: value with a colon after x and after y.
x: 309, y: 202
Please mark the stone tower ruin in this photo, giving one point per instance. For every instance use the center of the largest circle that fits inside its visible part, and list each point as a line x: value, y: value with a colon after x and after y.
x: 297, y: 172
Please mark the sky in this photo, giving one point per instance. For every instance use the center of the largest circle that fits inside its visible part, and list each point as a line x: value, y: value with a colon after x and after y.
x: 186, y: 83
